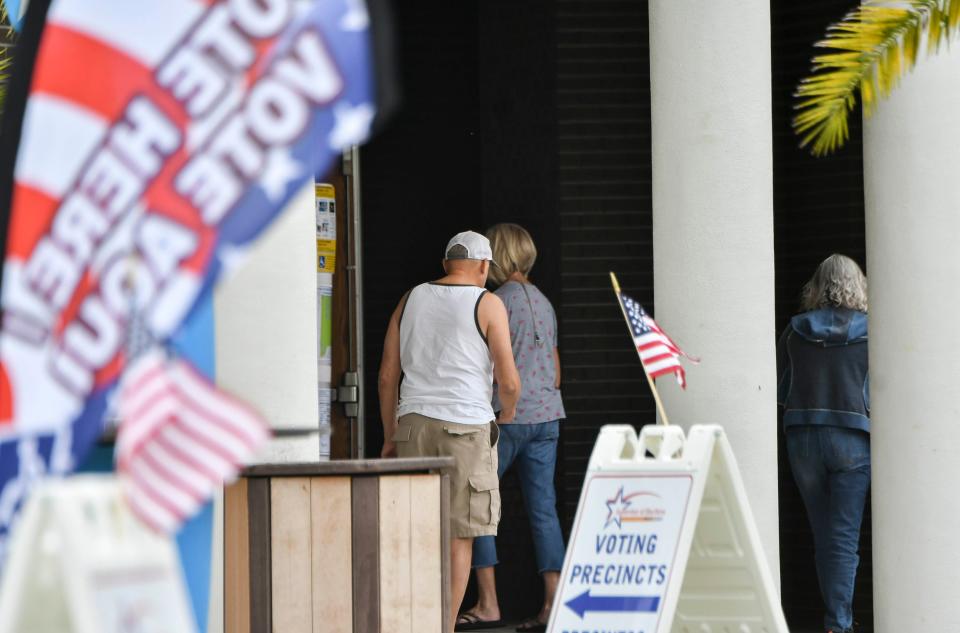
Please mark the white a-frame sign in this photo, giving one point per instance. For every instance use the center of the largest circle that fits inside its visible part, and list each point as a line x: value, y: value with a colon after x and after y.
x: 664, y: 541
x: 81, y: 562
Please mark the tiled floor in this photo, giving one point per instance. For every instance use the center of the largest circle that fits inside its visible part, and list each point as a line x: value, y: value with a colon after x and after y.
x: 510, y: 629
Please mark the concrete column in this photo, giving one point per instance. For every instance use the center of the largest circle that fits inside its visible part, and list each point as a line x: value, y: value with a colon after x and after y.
x: 713, y: 228
x: 215, y: 600
x: 265, y: 316
x: 266, y: 332
x: 911, y: 154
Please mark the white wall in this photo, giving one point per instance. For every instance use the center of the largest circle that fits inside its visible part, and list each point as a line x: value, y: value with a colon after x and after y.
x: 265, y: 315
x: 911, y: 158
x: 266, y: 330
x: 713, y: 228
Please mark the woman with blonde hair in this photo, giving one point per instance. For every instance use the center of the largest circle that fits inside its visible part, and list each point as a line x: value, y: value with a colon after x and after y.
x: 530, y: 441
x: 825, y: 393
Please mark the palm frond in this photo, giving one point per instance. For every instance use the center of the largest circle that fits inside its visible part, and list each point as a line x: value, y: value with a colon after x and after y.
x: 871, y: 48
x: 6, y: 58
x: 6, y: 61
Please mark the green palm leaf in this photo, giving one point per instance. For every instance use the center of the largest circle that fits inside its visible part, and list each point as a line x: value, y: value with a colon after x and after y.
x: 6, y: 59
x: 870, y: 50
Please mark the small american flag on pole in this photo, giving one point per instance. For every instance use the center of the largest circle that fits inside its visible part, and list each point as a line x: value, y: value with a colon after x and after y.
x: 658, y: 353
x: 180, y: 439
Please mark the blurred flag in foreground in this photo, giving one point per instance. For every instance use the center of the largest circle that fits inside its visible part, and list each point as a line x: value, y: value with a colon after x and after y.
x: 145, y: 145
x: 180, y: 439
x: 658, y: 353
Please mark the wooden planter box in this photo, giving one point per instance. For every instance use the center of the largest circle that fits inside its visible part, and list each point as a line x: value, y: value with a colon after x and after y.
x: 341, y: 546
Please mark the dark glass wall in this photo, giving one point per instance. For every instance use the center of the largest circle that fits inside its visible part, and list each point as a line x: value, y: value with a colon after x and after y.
x: 534, y: 112
x: 473, y: 144
x: 538, y: 112
x: 604, y: 189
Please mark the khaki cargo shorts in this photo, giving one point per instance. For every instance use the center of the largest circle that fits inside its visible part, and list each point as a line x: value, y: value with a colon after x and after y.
x: 474, y: 487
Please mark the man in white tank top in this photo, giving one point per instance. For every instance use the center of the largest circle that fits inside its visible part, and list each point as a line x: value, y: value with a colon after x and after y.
x: 449, y: 340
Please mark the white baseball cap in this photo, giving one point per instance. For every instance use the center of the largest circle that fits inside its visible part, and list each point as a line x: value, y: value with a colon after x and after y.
x: 475, y: 246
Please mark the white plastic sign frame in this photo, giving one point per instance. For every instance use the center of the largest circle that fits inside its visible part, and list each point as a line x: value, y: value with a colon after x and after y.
x: 664, y: 540
x: 81, y: 562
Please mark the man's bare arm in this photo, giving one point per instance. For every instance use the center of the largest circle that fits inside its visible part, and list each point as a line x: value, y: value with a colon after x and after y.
x: 494, y: 320
x: 389, y: 381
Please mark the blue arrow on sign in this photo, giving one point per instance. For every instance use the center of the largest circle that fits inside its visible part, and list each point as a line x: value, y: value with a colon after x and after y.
x: 619, y: 604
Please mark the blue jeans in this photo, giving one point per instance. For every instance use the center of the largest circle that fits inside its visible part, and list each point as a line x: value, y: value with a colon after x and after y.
x: 831, y: 466
x: 534, y: 449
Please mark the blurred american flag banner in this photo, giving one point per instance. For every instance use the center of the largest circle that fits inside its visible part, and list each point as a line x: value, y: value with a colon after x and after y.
x: 180, y: 439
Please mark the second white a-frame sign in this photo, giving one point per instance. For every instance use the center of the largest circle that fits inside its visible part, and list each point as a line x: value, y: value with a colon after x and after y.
x: 664, y: 541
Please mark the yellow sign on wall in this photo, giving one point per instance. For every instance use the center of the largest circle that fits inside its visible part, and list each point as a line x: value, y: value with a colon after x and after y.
x: 326, y: 256
x: 326, y: 227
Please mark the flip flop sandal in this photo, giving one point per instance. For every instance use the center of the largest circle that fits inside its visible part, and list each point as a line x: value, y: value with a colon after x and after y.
x: 471, y: 622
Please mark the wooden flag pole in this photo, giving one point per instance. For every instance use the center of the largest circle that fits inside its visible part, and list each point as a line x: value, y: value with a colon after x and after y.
x: 653, y: 386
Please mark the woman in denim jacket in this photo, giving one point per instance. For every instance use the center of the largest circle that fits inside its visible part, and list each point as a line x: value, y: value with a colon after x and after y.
x: 824, y: 390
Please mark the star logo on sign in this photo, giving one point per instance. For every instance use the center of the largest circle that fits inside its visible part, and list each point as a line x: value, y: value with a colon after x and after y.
x: 279, y: 171
x: 615, y: 508
x: 351, y: 125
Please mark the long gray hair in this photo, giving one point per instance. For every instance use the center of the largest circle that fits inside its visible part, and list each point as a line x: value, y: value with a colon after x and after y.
x: 838, y: 282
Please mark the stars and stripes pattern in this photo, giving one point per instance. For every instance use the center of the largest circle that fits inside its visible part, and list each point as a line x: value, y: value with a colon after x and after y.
x: 68, y: 116
x: 114, y: 195
x: 180, y: 439
x: 658, y: 353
